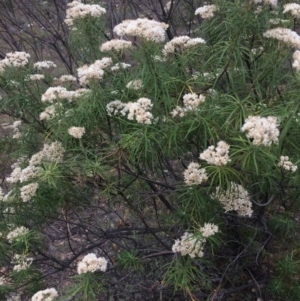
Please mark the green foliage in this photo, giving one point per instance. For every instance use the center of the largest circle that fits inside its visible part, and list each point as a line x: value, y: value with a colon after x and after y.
x: 123, y: 170
x: 85, y: 287
x: 283, y: 225
x: 182, y: 274
x: 129, y: 260
x: 285, y: 281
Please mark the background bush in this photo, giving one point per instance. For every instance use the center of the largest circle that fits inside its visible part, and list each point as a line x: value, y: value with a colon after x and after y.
x: 120, y: 191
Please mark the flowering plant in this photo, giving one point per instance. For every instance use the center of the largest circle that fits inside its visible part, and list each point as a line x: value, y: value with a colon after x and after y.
x: 168, y: 143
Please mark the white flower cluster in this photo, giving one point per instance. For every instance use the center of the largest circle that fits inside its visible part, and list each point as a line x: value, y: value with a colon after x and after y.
x: 115, y: 45
x: 29, y: 172
x: 115, y: 107
x: 138, y: 110
x: 234, y: 198
x: 158, y: 58
x: 56, y: 93
x: 178, y: 111
x: 206, y: 11
x: 36, y: 77
x: 28, y: 191
x: 23, y: 175
x: 148, y: 29
x: 286, y: 164
x: 296, y: 62
x: 119, y: 66
x: 135, y: 84
x: 293, y: 9
x: 44, y: 65
x: 16, y: 233
x: 209, y: 229
x: 285, y: 35
x: 15, y: 175
x: 216, y: 155
x: 194, y: 175
x: 76, y: 132
x: 278, y: 21
x: 14, y: 59
x: 257, y: 51
x: 66, y: 78
x: 272, y: 3
x: 93, y: 71
x: 191, y: 101
x: 191, y: 245
x: 16, y: 131
x: 50, y: 112
x: 259, y: 9
x: 21, y: 262
x: 1, y: 196
x: 181, y: 43
x: 46, y: 295
x: 90, y: 263
x: 77, y: 10
x: 53, y: 153
x: 263, y: 130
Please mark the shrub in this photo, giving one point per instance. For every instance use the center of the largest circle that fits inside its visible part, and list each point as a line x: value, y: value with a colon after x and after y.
x: 158, y: 164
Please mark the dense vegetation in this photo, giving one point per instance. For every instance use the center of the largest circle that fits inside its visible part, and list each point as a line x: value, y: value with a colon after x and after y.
x: 149, y: 150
